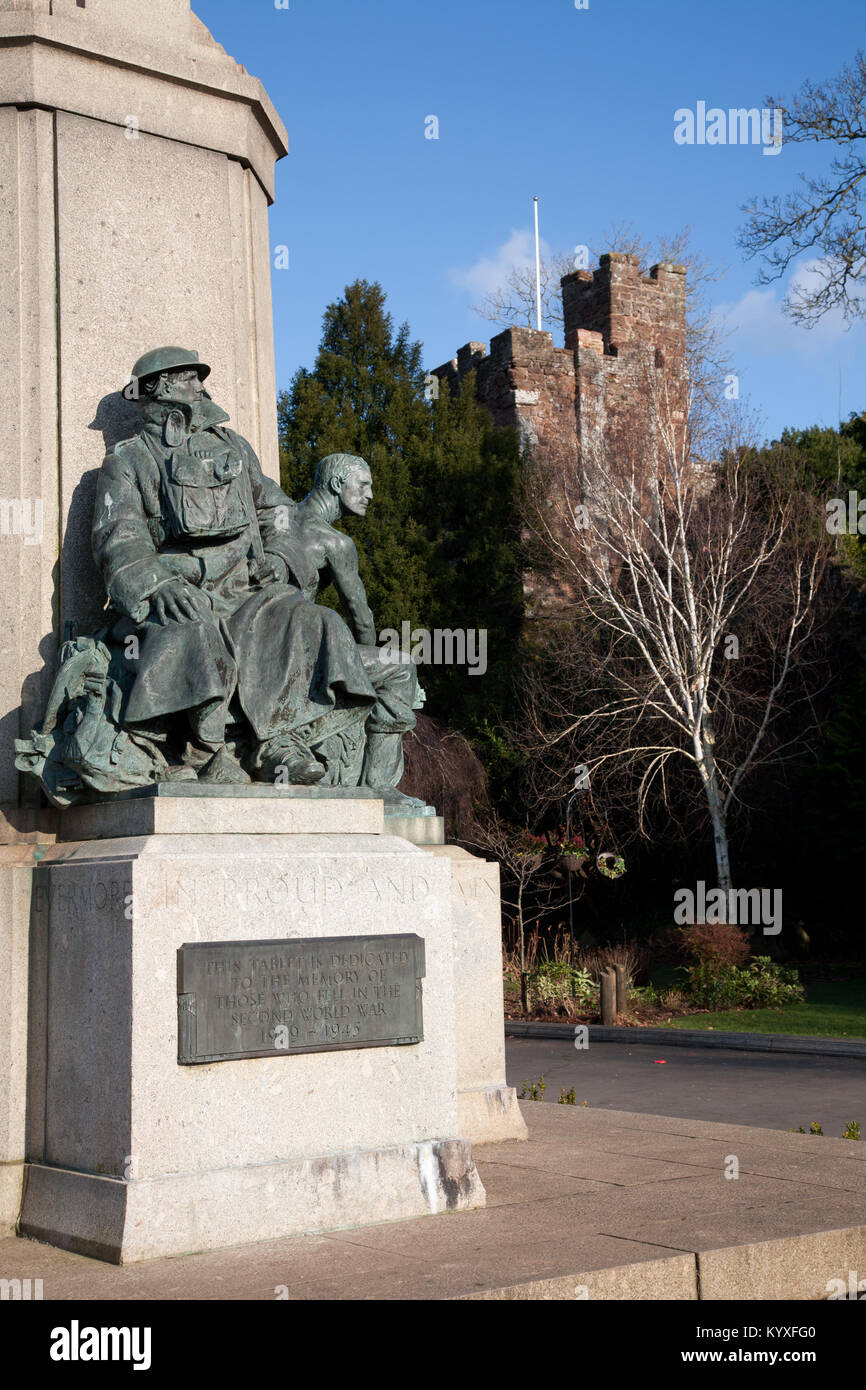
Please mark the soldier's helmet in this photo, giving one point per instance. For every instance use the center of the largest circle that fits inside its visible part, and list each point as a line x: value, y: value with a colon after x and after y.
x: 164, y: 359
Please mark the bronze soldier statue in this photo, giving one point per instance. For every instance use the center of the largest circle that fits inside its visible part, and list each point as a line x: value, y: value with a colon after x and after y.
x: 212, y: 662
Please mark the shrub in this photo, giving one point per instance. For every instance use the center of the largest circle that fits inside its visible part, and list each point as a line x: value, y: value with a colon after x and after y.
x: 550, y: 984
x: 533, y: 1090
x: 851, y: 1130
x: 442, y: 768
x: 644, y: 994
x: 630, y: 954
x: 761, y: 984
x: 716, y: 944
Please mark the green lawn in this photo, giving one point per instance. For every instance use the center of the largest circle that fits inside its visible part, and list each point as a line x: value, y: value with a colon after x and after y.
x: 832, y: 1009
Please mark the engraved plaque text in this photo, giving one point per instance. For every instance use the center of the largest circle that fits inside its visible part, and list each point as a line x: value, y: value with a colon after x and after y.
x: 266, y: 998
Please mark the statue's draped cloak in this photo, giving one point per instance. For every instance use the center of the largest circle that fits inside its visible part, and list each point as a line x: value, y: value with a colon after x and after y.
x: 288, y: 661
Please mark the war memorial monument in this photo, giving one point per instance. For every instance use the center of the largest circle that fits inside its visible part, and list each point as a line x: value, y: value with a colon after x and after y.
x: 249, y: 990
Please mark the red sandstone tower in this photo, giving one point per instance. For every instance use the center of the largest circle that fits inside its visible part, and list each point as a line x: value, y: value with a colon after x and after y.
x: 621, y: 331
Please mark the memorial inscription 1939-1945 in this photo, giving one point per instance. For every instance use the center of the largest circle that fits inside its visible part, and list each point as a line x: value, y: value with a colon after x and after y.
x: 270, y: 998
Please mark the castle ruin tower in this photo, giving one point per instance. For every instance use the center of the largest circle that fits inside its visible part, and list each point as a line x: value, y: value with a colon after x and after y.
x: 617, y: 324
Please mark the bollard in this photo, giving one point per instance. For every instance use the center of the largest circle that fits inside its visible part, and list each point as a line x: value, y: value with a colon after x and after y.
x: 621, y: 989
x: 608, y: 997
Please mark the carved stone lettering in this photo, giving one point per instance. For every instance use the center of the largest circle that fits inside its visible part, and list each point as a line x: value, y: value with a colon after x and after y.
x: 244, y: 892
x: 475, y: 888
x: 78, y: 897
x: 268, y: 998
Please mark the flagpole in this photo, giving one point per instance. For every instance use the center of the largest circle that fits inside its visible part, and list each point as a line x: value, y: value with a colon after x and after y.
x: 537, y: 271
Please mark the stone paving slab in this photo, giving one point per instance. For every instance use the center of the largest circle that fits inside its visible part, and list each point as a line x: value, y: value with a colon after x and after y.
x: 798, y: 1263
x: 549, y: 1120
x: 506, y: 1185
x: 598, y: 1205
x: 713, y: 1153
x: 746, y: 1225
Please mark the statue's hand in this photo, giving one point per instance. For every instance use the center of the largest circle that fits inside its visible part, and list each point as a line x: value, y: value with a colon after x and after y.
x: 274, y: 571
x: 179, y: 602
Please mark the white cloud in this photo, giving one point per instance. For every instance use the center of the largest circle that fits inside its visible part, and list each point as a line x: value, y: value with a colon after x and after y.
x: 757, y: 323
x: 489, y: 273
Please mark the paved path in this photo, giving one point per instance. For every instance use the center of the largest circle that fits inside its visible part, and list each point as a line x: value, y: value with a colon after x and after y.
x: 773, y: 1091
x: 597, y: 1204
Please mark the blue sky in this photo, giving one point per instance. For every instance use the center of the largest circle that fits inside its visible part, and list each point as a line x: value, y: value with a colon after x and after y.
x: 534, y: 96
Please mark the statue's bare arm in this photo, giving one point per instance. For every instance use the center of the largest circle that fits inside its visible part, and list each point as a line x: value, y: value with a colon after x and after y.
x: 343, y: 563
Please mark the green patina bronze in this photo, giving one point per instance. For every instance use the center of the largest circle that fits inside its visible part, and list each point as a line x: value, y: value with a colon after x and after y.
x: 343, y: 486
x: 213, y: 663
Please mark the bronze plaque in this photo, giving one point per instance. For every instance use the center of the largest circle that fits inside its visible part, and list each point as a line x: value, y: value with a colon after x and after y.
x: 269, y: 998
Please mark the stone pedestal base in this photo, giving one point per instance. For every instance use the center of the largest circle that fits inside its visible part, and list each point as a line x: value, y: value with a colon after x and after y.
x: 132, y: 1155
x: 418, y: 830
x: 15, y: 869
x: 110, y: 1219
x: 489, y: 1112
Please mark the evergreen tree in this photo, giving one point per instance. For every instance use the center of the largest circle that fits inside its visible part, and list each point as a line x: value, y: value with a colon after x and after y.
x: 365, y: 395
x: 829, y: 796
x: 438, y: 548
x: 825, y: 462
x: 471, y: 510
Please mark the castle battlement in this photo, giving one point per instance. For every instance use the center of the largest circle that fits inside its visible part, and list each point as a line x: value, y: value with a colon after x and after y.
x: 618, y: 324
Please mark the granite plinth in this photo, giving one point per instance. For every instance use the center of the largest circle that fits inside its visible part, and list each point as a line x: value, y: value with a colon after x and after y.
x: 133, y: 1155
x: 576, y: 1214
x: 418, y: 830
x: 265, y: 791
x: 15, y: 864
x: 122, y: 1222
x: 489, y: 1112
x: 181, y: 808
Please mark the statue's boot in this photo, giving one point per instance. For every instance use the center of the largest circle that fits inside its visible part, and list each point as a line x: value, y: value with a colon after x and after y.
x: 290, y: 770
x: 409, y: 805
x: 287, y: 761
x: 223, y: 770
x: 383, y: 760
x: 178, y: 773
x: 383, y: 769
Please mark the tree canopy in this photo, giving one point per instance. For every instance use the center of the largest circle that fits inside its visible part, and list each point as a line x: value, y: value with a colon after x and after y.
x: 439, y: 547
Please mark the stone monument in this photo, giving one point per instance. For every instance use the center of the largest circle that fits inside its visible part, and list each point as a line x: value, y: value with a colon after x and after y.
x: 243, y: 1025
x: 136, y: 167
x: 263, y: 996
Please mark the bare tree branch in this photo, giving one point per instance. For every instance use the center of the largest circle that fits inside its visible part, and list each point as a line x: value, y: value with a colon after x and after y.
x: 678, y: 563
x: 826, y: 214
x: 514, y: 301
